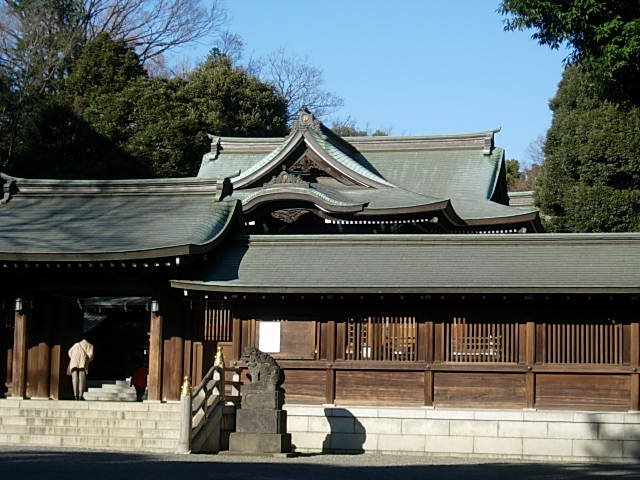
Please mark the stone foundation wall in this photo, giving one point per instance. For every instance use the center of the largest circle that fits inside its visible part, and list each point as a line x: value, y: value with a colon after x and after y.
x: 527, y: 434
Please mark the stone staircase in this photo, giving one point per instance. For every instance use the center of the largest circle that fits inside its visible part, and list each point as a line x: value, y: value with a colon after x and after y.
x: 118, y: 391
x: 117, y: 426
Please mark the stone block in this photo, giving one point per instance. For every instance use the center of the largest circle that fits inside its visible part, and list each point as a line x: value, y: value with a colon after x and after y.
x: 600, y: 417
x: 473, y: 428
x: 548, y: 416
x: 425, y: 427
x: 308, y: 441
x: 297, y: 424
x: 359, y: 412
x: 497, y: 446
x: 379, y: 425
x: 259, y: 443
x: 261, y: 421
x: 345, y: 442
x: 597, y: 448
x: 580, y: 431
x: 448, y: 444
x: 319, y: 424
x: 500, y: 415
x: 546, y: 447
x: 305, y: 410
x: 631, y: 432
x: 401, y: 443
x: 509, y: 429
x: 631, y: 449
x: 611, y: 431
x: 262, y: 399
x: 407, y: 412
x: 450, y: 414
x: 632, y: 417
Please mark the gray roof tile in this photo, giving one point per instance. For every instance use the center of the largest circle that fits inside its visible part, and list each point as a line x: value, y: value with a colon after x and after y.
x: 82, y: 219
x: 425, y: 263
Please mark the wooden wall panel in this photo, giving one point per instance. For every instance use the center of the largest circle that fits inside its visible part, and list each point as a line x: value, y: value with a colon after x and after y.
x: 479, y: 390
x: 304, y: 386
x: 38, y: 370
x: 583, y: 392
x: 379, y: 388
x: 172, y: 371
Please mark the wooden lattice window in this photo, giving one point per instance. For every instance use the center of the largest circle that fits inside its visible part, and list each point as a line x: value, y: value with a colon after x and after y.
x: 217, y: 323
x: 596, y: 343
x: 467, y: 341
x: 391, y: 338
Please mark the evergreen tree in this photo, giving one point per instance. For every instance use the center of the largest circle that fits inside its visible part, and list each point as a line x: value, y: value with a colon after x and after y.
x: 591, y: 175
x: 226, y: 100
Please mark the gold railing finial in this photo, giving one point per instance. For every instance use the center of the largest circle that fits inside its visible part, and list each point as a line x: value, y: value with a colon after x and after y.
x: 219, y: 361
x: 186, y: 387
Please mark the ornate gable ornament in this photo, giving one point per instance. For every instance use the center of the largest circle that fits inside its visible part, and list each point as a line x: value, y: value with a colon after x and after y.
x: 305, y: 164
x: 285, y: 177
x: 306, y: 121
x: 289, y: 215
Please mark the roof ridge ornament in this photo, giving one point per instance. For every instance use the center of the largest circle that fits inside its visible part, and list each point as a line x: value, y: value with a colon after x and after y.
x: 216, y: 146
x: 306, y: 120
x: 8, y: 188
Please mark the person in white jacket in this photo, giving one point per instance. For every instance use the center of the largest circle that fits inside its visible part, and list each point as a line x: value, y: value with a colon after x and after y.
x: 80, y: 355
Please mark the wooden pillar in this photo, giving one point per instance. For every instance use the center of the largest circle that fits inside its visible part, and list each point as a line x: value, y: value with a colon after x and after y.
x: 330, y: 381
x: 236, y: 338
x: 39, y: 370
x: 19, y: 361
x: 530, y: 360
x: 173, y: 370
x: 426, y: 333
x: 634, y: 360
x: 155, y: 356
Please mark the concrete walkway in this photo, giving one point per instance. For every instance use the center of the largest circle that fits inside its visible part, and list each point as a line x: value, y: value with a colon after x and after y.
x: 39, y: 464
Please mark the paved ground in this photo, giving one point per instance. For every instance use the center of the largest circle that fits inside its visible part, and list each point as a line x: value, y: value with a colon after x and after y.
x: 46, y: 464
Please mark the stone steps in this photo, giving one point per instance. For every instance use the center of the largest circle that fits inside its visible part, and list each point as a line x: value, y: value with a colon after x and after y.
x: 122, y: 426
x: 120, y: 391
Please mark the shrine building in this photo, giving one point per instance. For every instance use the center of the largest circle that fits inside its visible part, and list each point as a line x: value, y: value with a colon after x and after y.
x: 378, y: 271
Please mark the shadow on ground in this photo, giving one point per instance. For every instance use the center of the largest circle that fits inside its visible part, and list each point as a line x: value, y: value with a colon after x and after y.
x: 65, y: 464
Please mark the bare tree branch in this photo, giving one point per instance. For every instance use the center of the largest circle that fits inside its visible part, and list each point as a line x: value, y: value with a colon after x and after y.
x: 299, y: 82
x: 154, y: 26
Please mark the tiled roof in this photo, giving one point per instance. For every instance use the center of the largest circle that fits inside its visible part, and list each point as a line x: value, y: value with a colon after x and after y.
x: 465, y: 169
x: 425, y: 263
x: 80, y: 219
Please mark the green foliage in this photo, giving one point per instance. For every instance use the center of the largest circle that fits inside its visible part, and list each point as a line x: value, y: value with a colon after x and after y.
x: 347, y: 127
x: 104, y: 66
x: 226, y: 100
x: 604, y: 36
x: 110, y: 120
x: 591, y: 172
x: 521, y: 179
x: 162, y: 134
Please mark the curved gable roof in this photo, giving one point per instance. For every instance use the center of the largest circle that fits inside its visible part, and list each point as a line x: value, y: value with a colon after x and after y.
x: 80, y: 220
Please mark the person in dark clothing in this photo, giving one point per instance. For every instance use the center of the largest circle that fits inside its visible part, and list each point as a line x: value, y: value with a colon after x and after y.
x: 139, y: 380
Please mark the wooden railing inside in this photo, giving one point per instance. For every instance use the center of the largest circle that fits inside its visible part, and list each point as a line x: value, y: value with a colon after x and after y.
x: 476, y: 342
x: 391, y: 338
x: 595, y: 343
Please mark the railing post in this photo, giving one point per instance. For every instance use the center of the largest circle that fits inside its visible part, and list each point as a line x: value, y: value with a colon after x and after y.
x: 184, y: 445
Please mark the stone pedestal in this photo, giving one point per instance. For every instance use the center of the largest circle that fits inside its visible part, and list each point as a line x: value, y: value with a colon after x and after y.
x: 261, y: 424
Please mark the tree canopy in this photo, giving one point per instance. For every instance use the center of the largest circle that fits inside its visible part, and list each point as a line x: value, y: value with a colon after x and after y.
x: 604, y: 36
x: 108, y: 119
x: 591, y: 175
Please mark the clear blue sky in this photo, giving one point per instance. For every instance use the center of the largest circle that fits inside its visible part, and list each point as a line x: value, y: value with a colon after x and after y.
x: 417, y: 67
